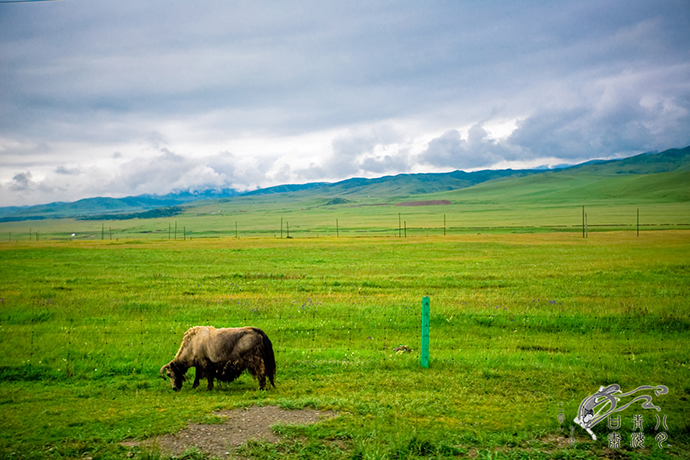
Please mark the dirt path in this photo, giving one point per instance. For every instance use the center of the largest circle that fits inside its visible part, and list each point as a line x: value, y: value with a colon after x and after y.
x: 240, y: 426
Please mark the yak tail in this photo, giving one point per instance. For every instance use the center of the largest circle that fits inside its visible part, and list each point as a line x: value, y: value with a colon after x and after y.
x: 269, y: 358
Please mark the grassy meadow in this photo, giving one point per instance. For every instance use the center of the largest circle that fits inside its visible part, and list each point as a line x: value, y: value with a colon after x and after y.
x: 547, y: 202
x: 523, y: 323
x: 313, y: 217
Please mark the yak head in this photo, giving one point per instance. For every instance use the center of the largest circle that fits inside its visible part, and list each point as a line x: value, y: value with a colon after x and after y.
x: 175, y: 374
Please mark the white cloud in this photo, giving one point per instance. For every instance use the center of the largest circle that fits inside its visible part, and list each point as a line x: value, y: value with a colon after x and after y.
x: 127, y: 97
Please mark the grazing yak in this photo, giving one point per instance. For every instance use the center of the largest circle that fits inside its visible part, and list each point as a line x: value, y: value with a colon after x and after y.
x: 222, y: 354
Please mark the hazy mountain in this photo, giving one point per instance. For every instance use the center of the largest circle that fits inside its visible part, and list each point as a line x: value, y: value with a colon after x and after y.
x: 89, y: 207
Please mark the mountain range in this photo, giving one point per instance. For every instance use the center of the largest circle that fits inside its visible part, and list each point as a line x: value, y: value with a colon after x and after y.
x: 402, y: 185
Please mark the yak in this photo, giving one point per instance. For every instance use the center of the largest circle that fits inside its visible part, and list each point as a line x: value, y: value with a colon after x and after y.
x: 222, y: 354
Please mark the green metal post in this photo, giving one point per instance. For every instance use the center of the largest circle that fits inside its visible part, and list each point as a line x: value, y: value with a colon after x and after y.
x: 425, y: 332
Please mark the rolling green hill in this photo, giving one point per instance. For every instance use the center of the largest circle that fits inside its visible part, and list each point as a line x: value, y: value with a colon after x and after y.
x: 646, y: 163
x: 646, y: 178
x: 414, y: 184
x: 649, y: 177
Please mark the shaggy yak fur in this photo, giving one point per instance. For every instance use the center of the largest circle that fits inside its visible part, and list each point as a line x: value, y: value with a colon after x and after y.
x: 222, y: 354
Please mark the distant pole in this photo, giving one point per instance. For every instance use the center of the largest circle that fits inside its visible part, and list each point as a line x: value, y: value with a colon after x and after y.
x: 638, y: 221
x: 405, y: 224
x: 444, y: 225
x: 30, y: 232
x: 425, y: 332
x: 184, y: 233
x: 287, y: 225
x: 236, y: 237
x: 583, y: 222
x: 337, y: 230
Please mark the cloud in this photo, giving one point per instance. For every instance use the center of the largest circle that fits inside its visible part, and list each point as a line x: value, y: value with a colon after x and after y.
x: 615, y: 116
x: 67, y: 171
x: 384, y: 87
x: 21, y: 182
x: 610, y: 117
x: 376, y: 150
x: 479, y: 150
x: 164, y: 173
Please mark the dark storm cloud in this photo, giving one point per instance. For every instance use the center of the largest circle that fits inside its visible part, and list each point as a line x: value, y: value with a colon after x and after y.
x: 579, y: 79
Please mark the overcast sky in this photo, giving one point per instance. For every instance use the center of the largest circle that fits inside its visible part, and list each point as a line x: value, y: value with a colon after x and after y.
x: 124, y: 97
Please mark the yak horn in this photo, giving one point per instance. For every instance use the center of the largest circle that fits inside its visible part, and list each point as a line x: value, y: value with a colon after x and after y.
x: 167, y: 366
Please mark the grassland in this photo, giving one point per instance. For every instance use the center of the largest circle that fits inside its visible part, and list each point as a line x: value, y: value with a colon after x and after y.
x: 311, y: 217
x: 521, y: 323
x: 612, y: 194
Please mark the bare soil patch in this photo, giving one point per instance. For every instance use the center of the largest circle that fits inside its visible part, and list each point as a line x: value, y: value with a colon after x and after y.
x: 240, y: 426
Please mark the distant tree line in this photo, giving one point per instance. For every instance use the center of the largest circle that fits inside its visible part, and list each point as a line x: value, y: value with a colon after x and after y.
x: 152, y: 214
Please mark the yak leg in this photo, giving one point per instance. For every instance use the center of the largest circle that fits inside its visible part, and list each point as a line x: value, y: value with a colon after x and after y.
x: 210, y: 376
x: 199, y: 374
x: 258, y: 370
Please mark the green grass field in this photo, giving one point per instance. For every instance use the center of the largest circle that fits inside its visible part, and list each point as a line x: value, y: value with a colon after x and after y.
x: 521, y: 325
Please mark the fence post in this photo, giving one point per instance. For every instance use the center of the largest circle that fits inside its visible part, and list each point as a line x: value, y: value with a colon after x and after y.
x: 583, y: 222
x: 425, y: 332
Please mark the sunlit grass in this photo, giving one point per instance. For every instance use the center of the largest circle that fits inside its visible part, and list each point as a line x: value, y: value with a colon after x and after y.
x: 520, y: 323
